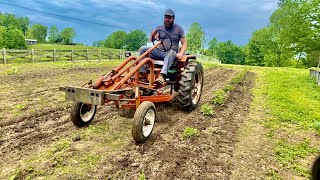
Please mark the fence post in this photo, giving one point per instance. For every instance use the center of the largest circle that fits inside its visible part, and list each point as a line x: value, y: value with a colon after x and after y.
x: 72, y: 58
x: 32, y: 55
x: 4, y: 55
x: 99, y: 54
x: 54, y: 54
x: 87, y: 55
x: 110, y: 55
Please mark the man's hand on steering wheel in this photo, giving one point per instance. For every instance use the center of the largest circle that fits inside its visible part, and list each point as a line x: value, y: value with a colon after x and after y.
x: 162, y: 36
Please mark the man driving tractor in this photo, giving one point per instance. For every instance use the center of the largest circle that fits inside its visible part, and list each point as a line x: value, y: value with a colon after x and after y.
x: 177, y: 34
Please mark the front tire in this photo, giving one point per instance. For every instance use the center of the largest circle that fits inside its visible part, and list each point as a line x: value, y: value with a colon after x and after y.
x: 191, y: 84
x: 82, y: 114
x: 143, y: 122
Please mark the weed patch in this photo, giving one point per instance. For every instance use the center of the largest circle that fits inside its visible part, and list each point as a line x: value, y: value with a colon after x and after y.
x: 12, y: 70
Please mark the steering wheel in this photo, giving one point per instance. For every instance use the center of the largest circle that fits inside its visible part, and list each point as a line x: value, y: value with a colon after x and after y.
x: 165, y: 39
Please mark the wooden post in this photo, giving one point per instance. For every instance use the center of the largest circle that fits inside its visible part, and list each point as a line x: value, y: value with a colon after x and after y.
x: 110, y: 55
x: 4, y: 53
x: 32, y: 55
x: 87, y: 55
x: 54, y: 54
x: 72, y: 59
x: 99, y: 54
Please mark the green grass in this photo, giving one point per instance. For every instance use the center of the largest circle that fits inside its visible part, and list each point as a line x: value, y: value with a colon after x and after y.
x: 316, y: 126
x: 68, y: 47
x: 189, y: 133
x: 207, y: 110
x: 12, y: 70
x: 289, y: 154
x: 292, y: 96
x: 208, y: 65
x: 290, y: 100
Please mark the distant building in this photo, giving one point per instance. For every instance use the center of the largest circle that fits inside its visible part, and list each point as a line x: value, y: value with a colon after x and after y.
x: 31, y: 41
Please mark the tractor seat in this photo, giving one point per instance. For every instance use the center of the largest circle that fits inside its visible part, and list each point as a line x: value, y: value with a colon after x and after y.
x: 159, y: 63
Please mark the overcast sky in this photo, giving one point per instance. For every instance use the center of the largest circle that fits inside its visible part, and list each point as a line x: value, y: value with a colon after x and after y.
x: 223, y: 19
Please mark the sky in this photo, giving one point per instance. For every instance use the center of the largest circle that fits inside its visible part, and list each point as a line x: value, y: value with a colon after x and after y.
x: 96, y: 19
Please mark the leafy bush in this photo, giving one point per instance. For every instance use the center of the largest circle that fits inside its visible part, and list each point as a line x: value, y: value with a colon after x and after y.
x: 219, y: 97
x: 189, y: 132
x: 228, y: 88
x: 207, y: 110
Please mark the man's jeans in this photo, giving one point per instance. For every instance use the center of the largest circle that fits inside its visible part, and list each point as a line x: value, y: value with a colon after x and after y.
x: 168, y: 57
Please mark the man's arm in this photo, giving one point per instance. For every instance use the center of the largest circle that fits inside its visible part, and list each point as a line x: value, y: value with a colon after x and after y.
x: 183, y: 48
x: 152, y: 35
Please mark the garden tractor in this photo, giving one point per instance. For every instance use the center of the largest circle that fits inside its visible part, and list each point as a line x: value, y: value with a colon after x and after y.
x: 124, y: 88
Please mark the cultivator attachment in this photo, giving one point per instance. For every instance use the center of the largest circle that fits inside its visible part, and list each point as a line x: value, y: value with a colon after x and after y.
x: 88, y: 96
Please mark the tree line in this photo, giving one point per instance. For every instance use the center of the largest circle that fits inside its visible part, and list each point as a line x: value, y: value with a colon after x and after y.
x: 14, y: 30
x: 131, y: 41
x: 292, y: 38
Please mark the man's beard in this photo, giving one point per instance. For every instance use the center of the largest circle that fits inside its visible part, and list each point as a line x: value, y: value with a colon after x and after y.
x: 169, y: 26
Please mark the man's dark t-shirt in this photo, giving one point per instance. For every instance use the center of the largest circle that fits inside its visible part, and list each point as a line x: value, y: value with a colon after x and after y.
x: 176, y: 33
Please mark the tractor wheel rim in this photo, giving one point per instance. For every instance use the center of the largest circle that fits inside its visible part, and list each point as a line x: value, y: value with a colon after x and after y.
x: 148, y: 122
x: 196, y: 91
x: 87, y: 112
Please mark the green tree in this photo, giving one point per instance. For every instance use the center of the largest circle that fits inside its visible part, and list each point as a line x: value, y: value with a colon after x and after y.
x: 278, y: 52
x: 212, y: 47
x: 135, y: 39
x: 116, y: 40
x: 196, y: 37
x: 9, y: 20
x: 14, y: 39
x: 300, y: 23
x: 2, y: 36
x: 24, y: 23
x: 67, y: 35
x: 293, y: 34
x: 257, y: 47
x: 98, y: 43
x: 38, y: 32
x: 54, y: 35
x: 229, y: 53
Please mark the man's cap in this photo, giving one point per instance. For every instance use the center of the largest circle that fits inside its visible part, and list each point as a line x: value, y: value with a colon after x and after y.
x: 169, y: 12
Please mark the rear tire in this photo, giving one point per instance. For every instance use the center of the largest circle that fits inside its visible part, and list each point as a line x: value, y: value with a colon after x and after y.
x: 82, y: 114
x: 143, y: 122
x: 191, y: 84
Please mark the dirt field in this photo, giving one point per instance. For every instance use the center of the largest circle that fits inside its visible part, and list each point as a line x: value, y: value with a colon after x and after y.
x: 37, y: 138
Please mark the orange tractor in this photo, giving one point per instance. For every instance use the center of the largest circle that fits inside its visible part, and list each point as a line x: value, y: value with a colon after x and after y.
x: 123, y: 86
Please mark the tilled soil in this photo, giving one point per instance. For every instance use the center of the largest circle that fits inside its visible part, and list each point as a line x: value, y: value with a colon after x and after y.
x: 166, y: 155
